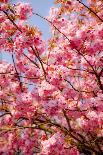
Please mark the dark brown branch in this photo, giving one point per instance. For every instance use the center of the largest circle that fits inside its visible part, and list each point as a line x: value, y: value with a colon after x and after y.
x: 31, y: 60
x: 101, y: 72
x: 12, y: 21
x: 67, y: 119
x: 90, y: 10
x: 51, y: 24
x: 6, y: 113
x: 76, y: 88
x: 79, y: 69
x: 99, y: 82
x: 37, y: 55
x: 17, y: 73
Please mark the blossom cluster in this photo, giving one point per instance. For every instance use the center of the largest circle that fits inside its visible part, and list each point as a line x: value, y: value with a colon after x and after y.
x: 51, y: 95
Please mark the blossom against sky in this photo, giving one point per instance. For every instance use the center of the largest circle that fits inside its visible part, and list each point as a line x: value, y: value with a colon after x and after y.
x: 39, y: 6
x: 42, y: 7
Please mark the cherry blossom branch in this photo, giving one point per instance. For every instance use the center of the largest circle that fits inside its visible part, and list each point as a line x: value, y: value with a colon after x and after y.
x: 101, y: 72
x: 76, y: 88
x: 99, y: 82
x: 23, y: 127
x: 6, y: 113
x: 17, y: 73
x: 70, y: 128
x: 67, y: 119
x: 95, y: 73
x: 98, y: 79
x: 79, y: 69
x: 90, y: 10
x: 37, y: 55
x: 31, y: 60
x: 51, y: 24
x: 12, y: 21
x: 72, y: 133
x: 62, y: 128
x: 30, y: 46
x: 95, y: 140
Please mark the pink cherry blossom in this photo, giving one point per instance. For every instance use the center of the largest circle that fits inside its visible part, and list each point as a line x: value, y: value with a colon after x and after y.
x: 23, y: 9
x: 51, y: 94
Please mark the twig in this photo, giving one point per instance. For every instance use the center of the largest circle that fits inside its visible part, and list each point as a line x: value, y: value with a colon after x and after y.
x: 90, y: 10
x: 17, y: 73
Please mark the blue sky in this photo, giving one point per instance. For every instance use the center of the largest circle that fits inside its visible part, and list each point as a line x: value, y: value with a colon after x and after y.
x: 42, y: 7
